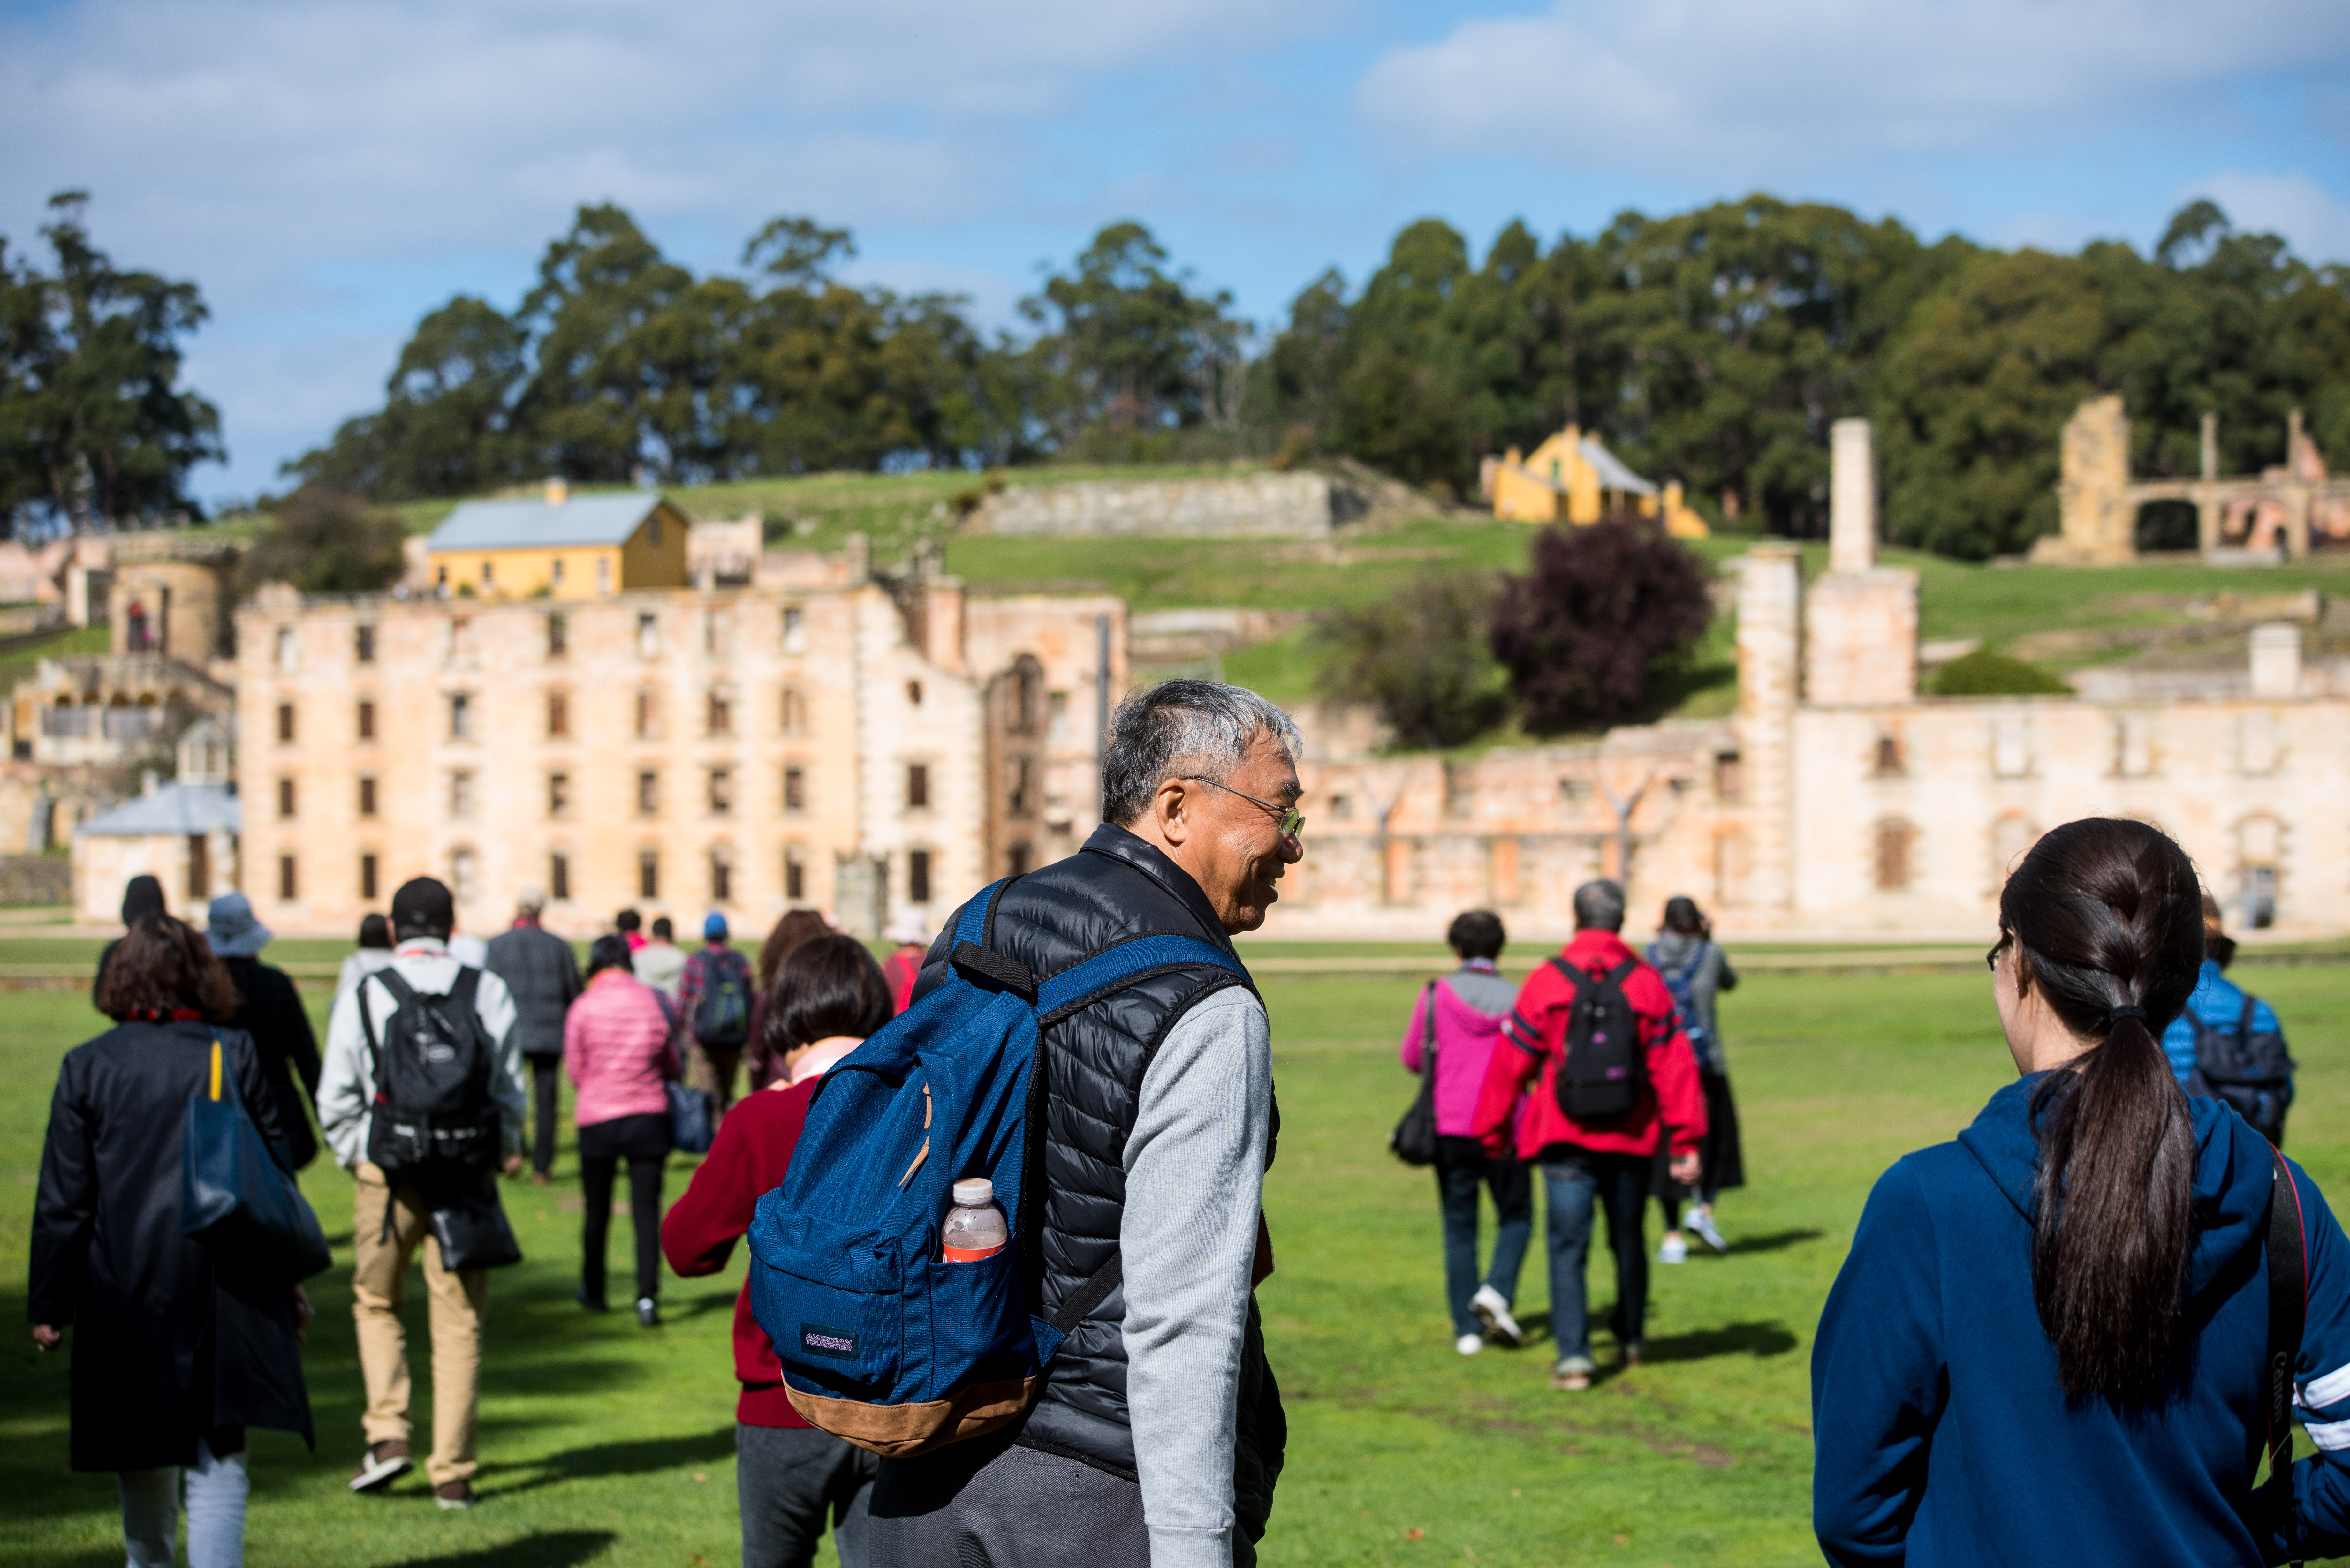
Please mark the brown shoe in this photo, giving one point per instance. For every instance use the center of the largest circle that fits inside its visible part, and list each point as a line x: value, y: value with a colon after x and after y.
x: 454, y: 1494
x: 385, y: 1462
x: 1632, y: 1356
x: 540, y: 1178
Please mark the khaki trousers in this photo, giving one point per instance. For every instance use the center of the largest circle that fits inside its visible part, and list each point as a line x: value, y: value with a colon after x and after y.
x: 456, y: 1301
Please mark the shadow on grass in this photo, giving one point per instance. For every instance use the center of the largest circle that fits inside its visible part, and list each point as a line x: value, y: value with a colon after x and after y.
x: 1757, y: 1339
x: 600, y: 1459
x: 1773, y: 1242
x: 547, y: 1549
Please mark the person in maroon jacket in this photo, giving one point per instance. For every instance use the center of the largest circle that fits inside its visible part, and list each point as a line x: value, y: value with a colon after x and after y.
x: 788, y: 1475
x: 1610, y: 1164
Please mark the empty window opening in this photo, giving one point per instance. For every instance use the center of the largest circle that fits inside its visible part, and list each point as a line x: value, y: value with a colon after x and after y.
x: 649, y: 874
x: 367, y: 878
x: 367, y: 794
x: 918, y: 786
x: 648, y: 793
x: 367, y: 720
x: 558, y: 876
x: 794, y: 789
x: 284, y: 797
x: 285, y: 720
x: 918, y: 876
x: 363, y: 644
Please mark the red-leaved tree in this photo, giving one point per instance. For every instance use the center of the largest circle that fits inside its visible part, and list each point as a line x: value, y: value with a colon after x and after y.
x: 1607, y: 609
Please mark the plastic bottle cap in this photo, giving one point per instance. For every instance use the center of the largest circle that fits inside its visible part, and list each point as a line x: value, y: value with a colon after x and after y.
x: 973, y: 1190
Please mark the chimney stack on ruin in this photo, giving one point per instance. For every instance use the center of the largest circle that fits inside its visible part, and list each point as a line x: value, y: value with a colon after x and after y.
x: 1770, y: 631
x: 1860, y: 620
x: 1852, y: 497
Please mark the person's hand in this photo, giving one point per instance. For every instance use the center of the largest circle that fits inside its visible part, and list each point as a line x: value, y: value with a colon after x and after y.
x: 513, y: 1166
x: 303, y: 1314
x: 1684, y: 1169
x: 47, y: 1338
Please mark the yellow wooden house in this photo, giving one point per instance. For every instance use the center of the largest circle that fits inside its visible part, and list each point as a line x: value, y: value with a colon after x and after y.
x: 560, y: 545
x: 1571, y: 477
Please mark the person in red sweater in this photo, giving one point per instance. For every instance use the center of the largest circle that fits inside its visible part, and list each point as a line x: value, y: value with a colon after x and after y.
x: 1610, y: 1164
x: 788, y: 1475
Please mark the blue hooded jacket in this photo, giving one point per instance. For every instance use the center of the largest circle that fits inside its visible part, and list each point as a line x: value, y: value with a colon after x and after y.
x: 1942, y: 1434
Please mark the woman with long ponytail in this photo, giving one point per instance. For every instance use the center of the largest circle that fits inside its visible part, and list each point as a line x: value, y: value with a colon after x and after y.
x: 2049, y: 1343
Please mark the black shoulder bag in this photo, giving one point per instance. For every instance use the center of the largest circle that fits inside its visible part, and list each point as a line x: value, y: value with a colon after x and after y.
x: 1414, y: 1142
x: 2287, y: 1307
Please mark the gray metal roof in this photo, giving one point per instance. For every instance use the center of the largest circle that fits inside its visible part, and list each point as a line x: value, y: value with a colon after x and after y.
x: 1613, y: 474
x: 533, y: 525
x: 175, y: 810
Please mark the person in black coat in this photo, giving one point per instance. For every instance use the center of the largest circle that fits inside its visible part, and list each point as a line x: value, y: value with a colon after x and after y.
x: 174, y: 1356
x: 270, y: 1009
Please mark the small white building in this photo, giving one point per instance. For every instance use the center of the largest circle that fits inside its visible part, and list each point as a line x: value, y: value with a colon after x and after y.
x: 184, y: 833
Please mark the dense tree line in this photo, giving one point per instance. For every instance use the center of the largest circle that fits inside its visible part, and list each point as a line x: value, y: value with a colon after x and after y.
x: 1718, y: 346
x: 1715, y: 347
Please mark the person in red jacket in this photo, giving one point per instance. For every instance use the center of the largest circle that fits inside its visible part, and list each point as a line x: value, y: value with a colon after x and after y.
x: 788, y: 1475
x: 1610, y: 1164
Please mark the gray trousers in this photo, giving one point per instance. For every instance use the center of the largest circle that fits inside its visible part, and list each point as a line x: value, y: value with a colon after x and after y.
x: 987, y: 1504
x: 787, y: 1479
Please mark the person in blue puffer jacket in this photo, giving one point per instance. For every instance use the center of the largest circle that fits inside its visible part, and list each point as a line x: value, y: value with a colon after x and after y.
x: 2049, y: 1342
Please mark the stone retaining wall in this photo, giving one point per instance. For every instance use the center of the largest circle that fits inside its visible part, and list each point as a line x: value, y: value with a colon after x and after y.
x: 1253, y: 506
x: 36, y: 879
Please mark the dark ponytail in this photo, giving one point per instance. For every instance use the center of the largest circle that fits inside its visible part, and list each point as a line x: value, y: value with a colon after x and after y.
x: 2106, y: 916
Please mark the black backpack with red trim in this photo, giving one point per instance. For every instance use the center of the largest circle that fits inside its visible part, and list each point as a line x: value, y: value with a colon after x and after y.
x: 1602, y: 1068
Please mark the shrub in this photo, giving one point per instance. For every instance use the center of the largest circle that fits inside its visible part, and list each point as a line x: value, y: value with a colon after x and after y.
x: 1983, y: 673
x: 1419, y: 657
x: 327, y: 542
x: 1607, y: 609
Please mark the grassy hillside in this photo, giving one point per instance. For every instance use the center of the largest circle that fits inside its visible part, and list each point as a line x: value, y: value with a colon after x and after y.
x: 2062, y: 616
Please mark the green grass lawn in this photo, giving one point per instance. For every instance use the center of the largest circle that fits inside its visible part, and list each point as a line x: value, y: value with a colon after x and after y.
x: 605, y: 1444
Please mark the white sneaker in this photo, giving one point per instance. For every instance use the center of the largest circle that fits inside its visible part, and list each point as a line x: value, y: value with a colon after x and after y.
x: 1468, y: 1343
x: 1495, y: 1314
x: 1674, y: 1249
x: 1702, y: 1221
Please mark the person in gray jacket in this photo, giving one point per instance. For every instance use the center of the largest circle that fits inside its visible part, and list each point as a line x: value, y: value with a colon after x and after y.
x: 1696, y: 971
x: 542, y: 973
x: 1159, y: 1436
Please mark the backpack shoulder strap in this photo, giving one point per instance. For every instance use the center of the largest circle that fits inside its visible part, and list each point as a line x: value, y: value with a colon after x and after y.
x: 1575, y: 978
x: 974, y: 955
x: 1429, y: 1048
x: 1126, y: 963
x: 469, y: 981
x: 402, y: 993
x: 1615, y: 977
x: 2244, y: 1023
x: 2288, y: 1310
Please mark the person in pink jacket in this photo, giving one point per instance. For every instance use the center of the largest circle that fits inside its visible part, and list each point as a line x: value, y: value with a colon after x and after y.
x: 617, y: 1047
x: 1471, y: 1004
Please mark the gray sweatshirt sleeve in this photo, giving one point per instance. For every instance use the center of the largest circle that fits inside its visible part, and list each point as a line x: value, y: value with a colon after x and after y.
x: 1194, y: 1181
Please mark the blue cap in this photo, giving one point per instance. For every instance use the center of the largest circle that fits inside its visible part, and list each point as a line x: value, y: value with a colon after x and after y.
x: 713, y: 930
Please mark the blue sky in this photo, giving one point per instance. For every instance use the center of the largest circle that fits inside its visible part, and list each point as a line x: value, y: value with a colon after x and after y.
x: 327, y: 169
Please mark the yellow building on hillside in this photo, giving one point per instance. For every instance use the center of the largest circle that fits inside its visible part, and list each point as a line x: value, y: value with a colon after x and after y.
x: 1571, y: 477
x: 561, y: 546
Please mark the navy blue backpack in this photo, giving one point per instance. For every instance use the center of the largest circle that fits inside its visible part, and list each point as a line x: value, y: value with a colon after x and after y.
x: 883, y: 1343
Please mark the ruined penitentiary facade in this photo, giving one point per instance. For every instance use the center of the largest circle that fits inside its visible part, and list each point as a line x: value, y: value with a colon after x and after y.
x: 869, y: 745
x: 1838, y: 803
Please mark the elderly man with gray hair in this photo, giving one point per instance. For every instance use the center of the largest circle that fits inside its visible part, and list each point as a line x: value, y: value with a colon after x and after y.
x: 1158, y: 1437
x: 541, y: 971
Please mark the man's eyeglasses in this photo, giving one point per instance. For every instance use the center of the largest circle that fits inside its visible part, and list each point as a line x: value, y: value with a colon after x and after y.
x: 1292, y: 820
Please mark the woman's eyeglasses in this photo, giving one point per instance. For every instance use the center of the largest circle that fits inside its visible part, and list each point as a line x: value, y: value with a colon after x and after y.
x: 1991, y: 959
x: 1292, y: 820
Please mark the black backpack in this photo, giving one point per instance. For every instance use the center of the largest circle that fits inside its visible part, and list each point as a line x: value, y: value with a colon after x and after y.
x: 721, y: 1015
x: 432, y: 1126
x: 1604, y: 1070
x: 2246, y: 1068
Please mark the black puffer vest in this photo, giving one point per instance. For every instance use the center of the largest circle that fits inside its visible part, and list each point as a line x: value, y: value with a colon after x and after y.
x: 1116, y: 887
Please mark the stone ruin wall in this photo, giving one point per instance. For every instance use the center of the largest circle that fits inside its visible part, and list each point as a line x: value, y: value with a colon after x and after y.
x: 1244, y: 506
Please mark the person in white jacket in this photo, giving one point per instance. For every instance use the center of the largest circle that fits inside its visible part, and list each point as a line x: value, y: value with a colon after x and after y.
x: 422, y: 915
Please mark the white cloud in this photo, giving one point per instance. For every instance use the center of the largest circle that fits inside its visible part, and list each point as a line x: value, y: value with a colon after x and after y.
x: 262, y: 146
x: 2313, y: 218
x: 1735, y: 91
